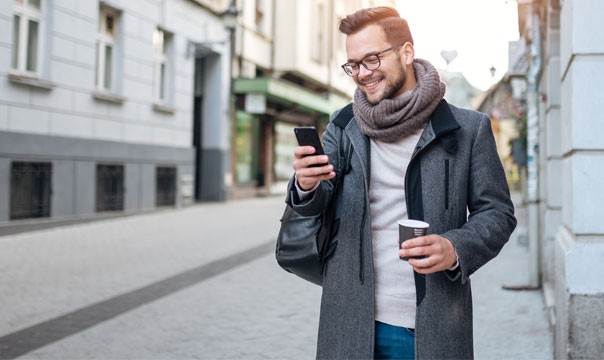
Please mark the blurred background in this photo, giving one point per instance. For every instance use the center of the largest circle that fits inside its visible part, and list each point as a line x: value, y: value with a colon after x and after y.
x: 112, y: 108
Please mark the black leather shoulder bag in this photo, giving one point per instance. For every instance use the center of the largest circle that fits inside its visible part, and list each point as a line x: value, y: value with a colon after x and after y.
x: 306, y: 242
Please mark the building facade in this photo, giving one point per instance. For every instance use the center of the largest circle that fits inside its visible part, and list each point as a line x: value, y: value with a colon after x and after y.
x: 111, y: 106
x: 287, y: 74
x: 565, y: 166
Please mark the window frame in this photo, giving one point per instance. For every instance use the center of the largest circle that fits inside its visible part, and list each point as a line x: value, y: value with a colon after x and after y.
x: 104, y: 39
x: 161, y: 57
x: 166, y: 187
x: 319, y: 33
x: 110, y: 182
x: 30, y: 189
x: 21, y: 51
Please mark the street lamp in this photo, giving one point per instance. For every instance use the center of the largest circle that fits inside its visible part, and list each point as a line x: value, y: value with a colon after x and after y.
x: 229, y: 16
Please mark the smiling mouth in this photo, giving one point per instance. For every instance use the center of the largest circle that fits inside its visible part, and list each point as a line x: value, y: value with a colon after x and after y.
x: 371, y: 85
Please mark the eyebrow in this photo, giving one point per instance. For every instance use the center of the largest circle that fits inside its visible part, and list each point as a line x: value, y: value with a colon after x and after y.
x: 364, y: 56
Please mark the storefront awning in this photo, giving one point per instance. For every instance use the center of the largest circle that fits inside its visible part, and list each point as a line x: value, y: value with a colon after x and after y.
x: 288, y: 94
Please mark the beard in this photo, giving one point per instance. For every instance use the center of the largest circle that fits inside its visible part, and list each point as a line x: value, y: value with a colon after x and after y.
x: 393, y: 83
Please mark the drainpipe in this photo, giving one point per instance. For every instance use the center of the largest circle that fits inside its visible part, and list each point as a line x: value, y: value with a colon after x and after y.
x: 533, y: 77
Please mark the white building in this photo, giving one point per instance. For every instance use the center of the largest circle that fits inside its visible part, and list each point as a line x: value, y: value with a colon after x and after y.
x: 566, y: 167
x: 116, y: 105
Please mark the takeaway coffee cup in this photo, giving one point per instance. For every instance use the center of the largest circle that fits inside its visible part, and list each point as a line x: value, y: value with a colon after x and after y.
x: 408, y: 229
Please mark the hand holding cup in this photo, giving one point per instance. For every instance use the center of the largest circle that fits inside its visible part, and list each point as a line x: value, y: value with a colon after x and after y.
x: 408, y: 229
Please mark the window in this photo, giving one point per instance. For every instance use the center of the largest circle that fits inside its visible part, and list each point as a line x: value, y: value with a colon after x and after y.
x: 165, y: 190
x: 30, y: 190
x: 318, y: 33
x: 109, y: 187
x: 259, y: 17
x: 105, y: 49
x: 26, y: 35
x: 247, y: 132
x: 161, y: 44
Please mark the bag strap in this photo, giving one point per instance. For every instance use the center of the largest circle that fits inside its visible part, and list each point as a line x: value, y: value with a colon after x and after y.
x: 341, y: 120
x: 331, y: 224
x: 344, y: 116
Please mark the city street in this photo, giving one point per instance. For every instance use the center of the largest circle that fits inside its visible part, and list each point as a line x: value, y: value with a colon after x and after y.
x: 202, y: 283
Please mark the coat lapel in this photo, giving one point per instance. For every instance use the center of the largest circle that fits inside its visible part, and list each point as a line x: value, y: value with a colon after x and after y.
x: 360, y: 143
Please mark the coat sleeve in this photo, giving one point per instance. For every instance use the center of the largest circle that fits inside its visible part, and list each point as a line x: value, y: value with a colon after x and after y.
x: 491, y: 211
x: 322, y: 195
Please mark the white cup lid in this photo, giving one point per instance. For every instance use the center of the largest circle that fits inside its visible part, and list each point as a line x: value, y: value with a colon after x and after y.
x: 414, y: 223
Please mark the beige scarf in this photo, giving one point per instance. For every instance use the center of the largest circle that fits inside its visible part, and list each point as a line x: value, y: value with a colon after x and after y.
x: 393, y: 119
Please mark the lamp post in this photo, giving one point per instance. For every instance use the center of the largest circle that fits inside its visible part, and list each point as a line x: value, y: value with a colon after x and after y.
x: 230, y: 16
x: 230, y: 23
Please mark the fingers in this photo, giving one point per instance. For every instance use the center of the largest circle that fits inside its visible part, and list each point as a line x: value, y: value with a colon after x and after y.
x: 433, y: 253
x: 302, y: 151
x: 419, y: 246
x: 311, y: 169
x: 428, y: 265
x: 304, y: 157
x: 308, y: 182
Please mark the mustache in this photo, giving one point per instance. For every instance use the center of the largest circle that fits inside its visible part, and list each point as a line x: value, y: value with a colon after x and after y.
x: 370, y: 80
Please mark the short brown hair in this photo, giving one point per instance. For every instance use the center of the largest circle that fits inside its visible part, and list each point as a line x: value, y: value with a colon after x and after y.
x: 396, y: 28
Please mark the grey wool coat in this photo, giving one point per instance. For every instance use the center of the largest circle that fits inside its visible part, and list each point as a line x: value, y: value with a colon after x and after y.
x: 455, y: 182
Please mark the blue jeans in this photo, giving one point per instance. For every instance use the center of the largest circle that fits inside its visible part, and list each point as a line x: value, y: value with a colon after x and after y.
x: 394, y: 342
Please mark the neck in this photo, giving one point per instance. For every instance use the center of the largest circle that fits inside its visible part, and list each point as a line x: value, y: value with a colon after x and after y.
x: 410, y: 81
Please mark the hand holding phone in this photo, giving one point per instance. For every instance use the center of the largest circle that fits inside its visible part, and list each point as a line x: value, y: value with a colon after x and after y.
x: 309, y: 175
x: 308, y: 136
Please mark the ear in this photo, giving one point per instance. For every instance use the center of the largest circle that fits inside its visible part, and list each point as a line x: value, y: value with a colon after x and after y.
x: 409, y: 53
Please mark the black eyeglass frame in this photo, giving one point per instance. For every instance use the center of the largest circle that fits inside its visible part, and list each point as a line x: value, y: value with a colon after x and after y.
x: 355, y: 71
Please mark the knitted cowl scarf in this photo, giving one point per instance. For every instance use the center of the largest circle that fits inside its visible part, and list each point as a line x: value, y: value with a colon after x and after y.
x: 393, y: 119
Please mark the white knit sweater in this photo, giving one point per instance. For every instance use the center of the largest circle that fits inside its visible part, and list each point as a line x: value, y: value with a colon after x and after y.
x: 394, y: 281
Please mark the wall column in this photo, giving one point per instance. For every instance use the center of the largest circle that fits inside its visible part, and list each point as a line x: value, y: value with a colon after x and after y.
x: 579, y: 249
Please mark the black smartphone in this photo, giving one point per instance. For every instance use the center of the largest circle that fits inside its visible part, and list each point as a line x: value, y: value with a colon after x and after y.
x: 308, y: 136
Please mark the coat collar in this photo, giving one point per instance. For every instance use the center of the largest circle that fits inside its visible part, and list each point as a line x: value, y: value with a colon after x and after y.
x: 442, y: 126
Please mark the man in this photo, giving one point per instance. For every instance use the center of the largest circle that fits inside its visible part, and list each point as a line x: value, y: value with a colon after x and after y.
x: 417, y: 157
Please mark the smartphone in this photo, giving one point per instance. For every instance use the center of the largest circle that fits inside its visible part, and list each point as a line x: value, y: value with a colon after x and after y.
x: 308, y: 136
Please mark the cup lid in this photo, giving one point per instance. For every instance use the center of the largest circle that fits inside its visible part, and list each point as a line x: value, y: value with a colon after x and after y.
x: 414, y: 223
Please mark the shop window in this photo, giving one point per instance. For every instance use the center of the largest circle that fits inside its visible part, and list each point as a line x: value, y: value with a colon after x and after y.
x: 30, y: 187
x: 109, y: 187
x: 285, y: 143
x: 246, y: 149
x: 165, y: 190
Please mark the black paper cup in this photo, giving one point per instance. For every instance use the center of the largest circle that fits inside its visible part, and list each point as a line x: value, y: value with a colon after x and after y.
x: 408, y: 229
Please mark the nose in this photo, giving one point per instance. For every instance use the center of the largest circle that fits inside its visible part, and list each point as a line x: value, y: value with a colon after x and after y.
x: 363, y: 72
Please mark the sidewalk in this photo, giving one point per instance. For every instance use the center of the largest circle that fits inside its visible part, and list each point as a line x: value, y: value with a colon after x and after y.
x: 202, y: 283
x: 510, y: 324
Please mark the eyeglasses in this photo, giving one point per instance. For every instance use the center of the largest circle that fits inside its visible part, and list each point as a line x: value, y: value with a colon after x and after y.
x: 370, y: 62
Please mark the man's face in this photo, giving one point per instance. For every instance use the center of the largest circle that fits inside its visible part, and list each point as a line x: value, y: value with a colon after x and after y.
x: 385, y: 82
